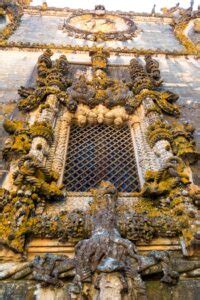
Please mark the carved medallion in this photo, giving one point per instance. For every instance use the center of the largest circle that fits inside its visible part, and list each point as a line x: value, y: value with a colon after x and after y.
x: 99, y: 25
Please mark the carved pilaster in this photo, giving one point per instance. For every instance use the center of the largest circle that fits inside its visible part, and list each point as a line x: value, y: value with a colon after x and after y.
x: 146, y: 158
x: 63, y: 126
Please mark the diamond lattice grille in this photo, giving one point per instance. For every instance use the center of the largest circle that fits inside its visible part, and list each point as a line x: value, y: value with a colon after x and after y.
x: 97, y: 153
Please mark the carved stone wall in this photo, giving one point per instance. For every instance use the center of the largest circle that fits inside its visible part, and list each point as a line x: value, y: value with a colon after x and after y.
x: 99, y: 244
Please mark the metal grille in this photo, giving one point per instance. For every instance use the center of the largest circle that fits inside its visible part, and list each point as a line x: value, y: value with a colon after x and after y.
x: 97, y: 153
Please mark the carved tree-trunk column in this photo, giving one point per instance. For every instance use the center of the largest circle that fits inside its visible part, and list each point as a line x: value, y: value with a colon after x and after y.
x: 162, y: 148
x: 40, y: 147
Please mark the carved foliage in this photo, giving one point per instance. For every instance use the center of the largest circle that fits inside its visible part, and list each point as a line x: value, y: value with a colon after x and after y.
x: 180, y: 137
x: 162, y: 182
x: 21, y: 136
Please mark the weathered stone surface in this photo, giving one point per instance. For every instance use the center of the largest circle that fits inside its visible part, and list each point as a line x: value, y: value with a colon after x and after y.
x: 181, y: 75
x: 17, y: 68
x: 186, y: 289
x: 194, y: 31
x: 27, y: 290
x: 17, y: 291
x: 47, y: 29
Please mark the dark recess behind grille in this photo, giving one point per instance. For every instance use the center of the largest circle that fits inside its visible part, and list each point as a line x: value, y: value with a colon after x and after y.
x: 97, y: 153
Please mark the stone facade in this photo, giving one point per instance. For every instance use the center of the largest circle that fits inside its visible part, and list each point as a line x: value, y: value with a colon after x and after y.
x: 119, y: 69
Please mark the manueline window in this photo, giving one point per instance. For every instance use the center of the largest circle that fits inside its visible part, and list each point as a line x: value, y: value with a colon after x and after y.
x: 97, y: 153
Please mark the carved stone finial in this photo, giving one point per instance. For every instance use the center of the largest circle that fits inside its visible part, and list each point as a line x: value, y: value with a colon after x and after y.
x: 100, y: 10
x: 153, y: 11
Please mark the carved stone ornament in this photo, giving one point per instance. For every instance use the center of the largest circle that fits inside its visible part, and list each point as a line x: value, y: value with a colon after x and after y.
x: 107, y: 233
x: 104, y: 252
x: 100, y: 26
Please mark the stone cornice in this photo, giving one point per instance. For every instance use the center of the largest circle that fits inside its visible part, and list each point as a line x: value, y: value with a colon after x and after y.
x: 66, y: 10
x: 84, y: 49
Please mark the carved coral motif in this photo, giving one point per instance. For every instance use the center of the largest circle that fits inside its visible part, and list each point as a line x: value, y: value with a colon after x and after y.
x: 51, y: 80
x: 140, y: 78
x: 184, y: 144
x: 152, y: 68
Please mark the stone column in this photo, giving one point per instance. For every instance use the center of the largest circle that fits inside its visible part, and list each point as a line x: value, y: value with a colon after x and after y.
x: 39, y: 147
x: 110, y: 287
x: 162, y: 148
x: 61, y: 145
